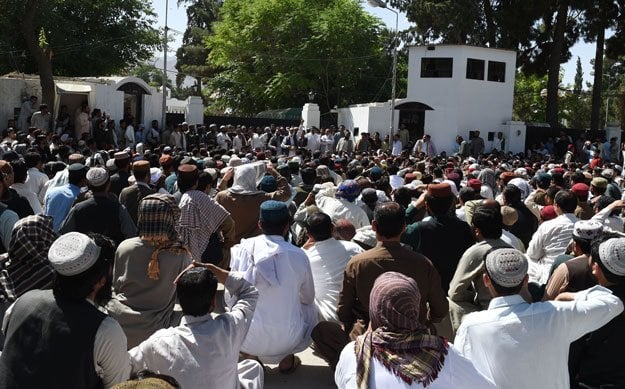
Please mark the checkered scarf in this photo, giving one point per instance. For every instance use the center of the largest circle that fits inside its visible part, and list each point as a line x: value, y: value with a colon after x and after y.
x: 25, y: 265
x: 396, y: 338
x: 158, y: 215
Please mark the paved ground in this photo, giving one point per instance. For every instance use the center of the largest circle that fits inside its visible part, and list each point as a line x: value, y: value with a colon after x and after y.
x: 314, y: 373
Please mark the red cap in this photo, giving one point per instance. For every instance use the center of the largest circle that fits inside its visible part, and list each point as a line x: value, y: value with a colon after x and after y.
x: 580, y: 189
x: 475, y: 184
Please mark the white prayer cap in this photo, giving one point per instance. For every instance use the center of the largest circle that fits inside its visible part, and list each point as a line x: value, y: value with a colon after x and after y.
x: 97, y: 176
x: 234, y: 161
x: 73, y: 253
x: 612, y: 255
x: 396, y: 181
x: 155, y: 175
x: 506, y: 267
x: 587, y: 229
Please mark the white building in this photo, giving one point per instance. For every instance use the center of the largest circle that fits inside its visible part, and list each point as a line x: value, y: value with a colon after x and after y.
x: 452, y: 89
x: 112, y: 95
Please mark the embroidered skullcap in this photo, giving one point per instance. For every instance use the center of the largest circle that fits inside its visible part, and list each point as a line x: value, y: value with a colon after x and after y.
x: 506, y: 267
x: 188, y: 171
x: 268, y: 184
x: 439, y: 190
x: 121, y: 155
x: 587, y: 229
x: 580, y: 189
x: 73, y: 253
x: 349, y: 190
x: 97, y: 176
x: 544, y: 179
x: 225, y: 158
x: 607, y: 173
x: 548, y: 212
x: 234, y: 161
x: 376, y: 173
x: 612, y: 255
x: 272, y: 211
x: 475, y: 184
x: 155, y: 175
x: 599, y: 182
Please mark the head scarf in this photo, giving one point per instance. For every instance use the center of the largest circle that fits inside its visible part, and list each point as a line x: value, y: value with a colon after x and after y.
x: 158, y: 216
x: 487, y: 176
x: 397, y: 339
x: 247, y: 177
x: 27, y: 266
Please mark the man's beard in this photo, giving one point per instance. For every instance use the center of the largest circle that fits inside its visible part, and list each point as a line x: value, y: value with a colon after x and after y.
x: 105, y: 294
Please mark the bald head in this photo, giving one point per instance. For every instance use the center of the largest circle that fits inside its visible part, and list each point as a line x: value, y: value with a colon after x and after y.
x: 344, y: 229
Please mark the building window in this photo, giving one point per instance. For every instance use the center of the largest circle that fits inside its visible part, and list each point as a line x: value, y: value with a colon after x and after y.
x: 475, y: 69
x: 437, y: 67
x: 496, y: 71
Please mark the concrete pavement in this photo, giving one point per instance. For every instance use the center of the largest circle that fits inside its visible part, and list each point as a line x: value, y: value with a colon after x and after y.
x: 314, y: 373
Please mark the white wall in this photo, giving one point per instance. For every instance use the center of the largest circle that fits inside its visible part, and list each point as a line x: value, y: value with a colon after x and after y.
x: 460, y: 104
x: 11, y: 91
x: 108, y: 100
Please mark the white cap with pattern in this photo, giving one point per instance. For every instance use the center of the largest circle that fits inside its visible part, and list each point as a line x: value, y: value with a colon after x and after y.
x: 612, y: 255
x: 506, y: 267
x: 587, y: 229
x: 97, y: 176
x: 73, y: 253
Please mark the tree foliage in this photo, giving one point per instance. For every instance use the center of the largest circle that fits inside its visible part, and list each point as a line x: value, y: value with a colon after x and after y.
x: 271, y: 53
x: 192, y: 55
x: 81, y: 38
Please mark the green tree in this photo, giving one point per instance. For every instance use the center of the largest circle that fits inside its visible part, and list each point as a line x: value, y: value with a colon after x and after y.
x: 152, y: 75
x: 271, y: 53
x: 579, y: 77
x: 529, y: 103
x: 76, y: 37
x: 192, y: 55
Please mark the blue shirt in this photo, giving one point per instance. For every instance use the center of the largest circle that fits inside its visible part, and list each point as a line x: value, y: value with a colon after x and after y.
x: 59, y: 201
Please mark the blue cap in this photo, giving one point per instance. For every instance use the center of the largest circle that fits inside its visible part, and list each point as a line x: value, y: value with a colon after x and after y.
x: 272, y: 211
x: 268, y: 184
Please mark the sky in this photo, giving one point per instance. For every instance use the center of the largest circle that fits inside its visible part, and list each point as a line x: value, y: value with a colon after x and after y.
x: 177, y: 21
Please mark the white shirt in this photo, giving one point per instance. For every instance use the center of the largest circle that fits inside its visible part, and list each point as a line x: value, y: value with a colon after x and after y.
x: 397, y: 148
x: 457, y: 372
x: 313, y: 142
x: 32, y: 198
x: 614, y: 223
x: 342, y: 209
x: 327, y: 143
x: 285, y: 313
x: 130, y: 136
x: 550, y: 240
x: 520, y: 345
x: 222, y: 140
x: 36, y: 183
x: 201, y: 350
x: 327, y: 262
x: 512, y: 240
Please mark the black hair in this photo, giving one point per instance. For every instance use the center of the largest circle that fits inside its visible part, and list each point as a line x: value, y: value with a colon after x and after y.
x: 75, y: 177
x: 390, y: 219
x: 595, y: 257
x: 319, y: 226
x: 20, y: 171
x: 186, y: 182
x: 275, y: 227
x: 511, y: 194
x: 439, y: 205
x: 196, y: 289
x: 32, y: 159
x: 566, y: 200
x: 203, y: 181
x: 403, y: 196
x: 308, y: 176
x: 122, y: 163
x: 467, y: 194
x: 79, y: 286
x: 140, y: 175
x: 489, y: 221
x: 583, y: 244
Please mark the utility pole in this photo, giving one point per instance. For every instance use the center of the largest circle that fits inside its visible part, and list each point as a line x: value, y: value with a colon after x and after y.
x: 164, y: 117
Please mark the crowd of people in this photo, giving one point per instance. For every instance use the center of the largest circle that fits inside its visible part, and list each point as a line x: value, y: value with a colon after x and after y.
x: 401, y: 266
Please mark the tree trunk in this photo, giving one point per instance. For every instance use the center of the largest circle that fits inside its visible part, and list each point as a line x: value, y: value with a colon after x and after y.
x: 490, y: 24
x: 555, y: 59
x: 597, y: 86
x: 42, y: 56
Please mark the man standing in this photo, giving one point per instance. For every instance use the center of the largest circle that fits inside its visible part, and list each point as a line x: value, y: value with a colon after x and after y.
x: 59, y: 200
x: 131, y: 196
x: 595, y: 360
x: 521, y: 345
x: 360, y: 274
x: 285, y: 313
x: 477, y: 145
x: 328, y: 258
x: 119, y: 180
x: 463, y: 147
x: 26, y: 111
x: 203, y: 349
x: 425, y: 146
x: 552, y: 237
x: 397, y: 147
x: 59, y: 338
x: 100, y: 213
x: 42, y: 119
